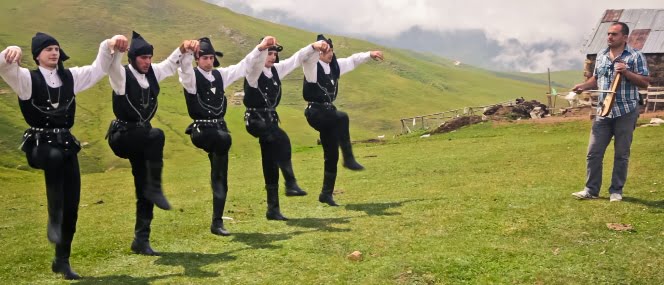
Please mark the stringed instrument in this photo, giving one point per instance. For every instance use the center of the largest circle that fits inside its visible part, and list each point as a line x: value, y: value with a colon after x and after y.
x: 610, y: 98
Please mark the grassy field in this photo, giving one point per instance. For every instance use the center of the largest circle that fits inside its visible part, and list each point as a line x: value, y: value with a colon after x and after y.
x: 486, y: 204
x: 560, y: 80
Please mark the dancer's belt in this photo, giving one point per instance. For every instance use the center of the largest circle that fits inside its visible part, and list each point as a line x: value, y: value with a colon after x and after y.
x: 49, y: 130
x: 126, y: 124
x: 60, y: 136
x: 326, y: 105
x: 261, y: 109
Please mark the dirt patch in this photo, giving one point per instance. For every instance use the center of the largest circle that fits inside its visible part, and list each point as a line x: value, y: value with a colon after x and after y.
x: 620, y: 227
x: 521, y: 110
x: 370, y: 141
x: 456, y: 124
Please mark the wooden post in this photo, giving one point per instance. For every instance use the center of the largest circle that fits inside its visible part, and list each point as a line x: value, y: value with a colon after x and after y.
x: 551, y: 109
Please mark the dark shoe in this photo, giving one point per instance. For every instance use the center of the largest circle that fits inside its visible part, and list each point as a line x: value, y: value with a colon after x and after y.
x: 63, y: 267
x: 329, y: 179
x: 273, y: 211
x: 158, y: 198
x: 153, y: 191
x: 349, y: 158
x: 294, y: 190
x: 326, y: 198
x: 275, y: 216
x: 352, y: 164
x: 143, y: 248
x: 217, y: 228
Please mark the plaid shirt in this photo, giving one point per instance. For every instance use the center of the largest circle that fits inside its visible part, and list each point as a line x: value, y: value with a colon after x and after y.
x: 627, y: 94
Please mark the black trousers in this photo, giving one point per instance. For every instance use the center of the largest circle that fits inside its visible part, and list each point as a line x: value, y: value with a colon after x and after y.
x: 275, y: 145
x: 144, y: 147
x: 215, y: 139
x: 333, y: 126
x: 63, y: 189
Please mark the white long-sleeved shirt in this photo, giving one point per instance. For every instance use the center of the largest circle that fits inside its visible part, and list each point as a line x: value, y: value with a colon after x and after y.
x: 162, y: 70
x: 18, y: 78
x: 283, y: 67
x: 229, y: 74
x: 345, y: 65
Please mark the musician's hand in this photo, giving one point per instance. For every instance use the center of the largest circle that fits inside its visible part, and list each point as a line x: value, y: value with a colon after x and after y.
x: 620, y: 67
x: 578, y: 88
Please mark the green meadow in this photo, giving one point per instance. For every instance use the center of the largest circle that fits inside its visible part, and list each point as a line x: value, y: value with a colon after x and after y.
x: 488, y: 203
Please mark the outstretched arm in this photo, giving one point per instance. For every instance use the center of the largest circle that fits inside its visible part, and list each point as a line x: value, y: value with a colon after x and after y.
x: 87, y: 76
x: 234, y: 72
x: 350, y: 63
x: 287, y: 66
x: 168, y: 67
x: 591, y: 83
x: 18, y: 78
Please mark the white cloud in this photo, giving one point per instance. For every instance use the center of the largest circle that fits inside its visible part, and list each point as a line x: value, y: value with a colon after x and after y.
x: 531, y: 22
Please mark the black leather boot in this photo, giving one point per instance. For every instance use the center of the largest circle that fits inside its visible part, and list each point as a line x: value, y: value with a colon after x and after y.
x: 325, y: 196
x: 55, y: 205
x: 349, y: 158
x: 153, y: 191
x: 61, y: 264
x: 292, y: 189
x: 217, y: 228
x: 218, y: 180
x: 141, y: 243
x: 273, y: 212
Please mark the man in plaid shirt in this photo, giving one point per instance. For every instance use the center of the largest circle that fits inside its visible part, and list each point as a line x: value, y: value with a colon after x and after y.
x: 618, y: 57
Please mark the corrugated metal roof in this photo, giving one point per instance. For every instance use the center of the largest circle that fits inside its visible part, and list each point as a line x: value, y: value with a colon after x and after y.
x: 655, y: 43
x: 612, y: 15
x: 658, y: 25
x: 599, y: 40
x: 637, y: 38
x: 646, y: 19
x: 645, y: 30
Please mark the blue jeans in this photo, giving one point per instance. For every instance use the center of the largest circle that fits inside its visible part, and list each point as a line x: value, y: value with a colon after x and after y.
x: 622, y: 130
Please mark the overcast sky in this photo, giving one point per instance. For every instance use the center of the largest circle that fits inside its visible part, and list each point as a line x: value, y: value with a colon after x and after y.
x: 516, y: 35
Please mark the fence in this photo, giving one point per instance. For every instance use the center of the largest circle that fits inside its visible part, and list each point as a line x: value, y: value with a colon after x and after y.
x: 425, y: 122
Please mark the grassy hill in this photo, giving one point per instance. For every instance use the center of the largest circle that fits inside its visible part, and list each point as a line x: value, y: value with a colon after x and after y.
x: 488, y: 204
x: 375, y: 95
x: 560, y: 80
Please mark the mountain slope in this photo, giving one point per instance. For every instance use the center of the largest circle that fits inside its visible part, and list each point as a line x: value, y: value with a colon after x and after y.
x: 375, y: 95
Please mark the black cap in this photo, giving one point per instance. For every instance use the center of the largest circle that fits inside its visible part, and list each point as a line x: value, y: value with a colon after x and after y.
x: 139, y: 46
x: 206, y: 49
x: 40, y: 41
x: 322, y: 38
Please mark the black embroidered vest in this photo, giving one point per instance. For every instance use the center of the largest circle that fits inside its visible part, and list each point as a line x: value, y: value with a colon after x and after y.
x: 209, y: 101
x: 50, y: 107
x: 268, y: 93
x: 326, y: 88
x: 138, y: 104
